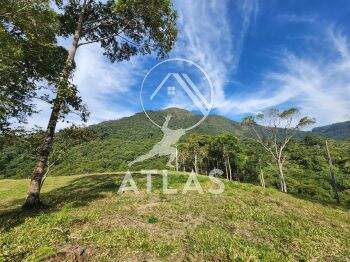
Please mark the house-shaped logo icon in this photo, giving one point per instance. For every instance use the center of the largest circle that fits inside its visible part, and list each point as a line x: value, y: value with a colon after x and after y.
x: 190, y: 89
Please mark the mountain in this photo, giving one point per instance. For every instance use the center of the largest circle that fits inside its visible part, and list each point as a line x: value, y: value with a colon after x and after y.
x: 119, y: 142
x: 337, y: 130
x: 139, y: 123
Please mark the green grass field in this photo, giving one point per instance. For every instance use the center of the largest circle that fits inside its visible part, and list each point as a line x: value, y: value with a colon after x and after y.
x: 87, y: 219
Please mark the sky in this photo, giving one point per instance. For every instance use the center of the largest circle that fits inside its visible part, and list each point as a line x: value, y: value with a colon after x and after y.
x: 257, y: 54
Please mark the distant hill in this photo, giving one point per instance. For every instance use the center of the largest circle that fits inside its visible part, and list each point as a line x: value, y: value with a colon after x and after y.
x: 119, y: 142
x: 139, y: 126
x: 336, y: 131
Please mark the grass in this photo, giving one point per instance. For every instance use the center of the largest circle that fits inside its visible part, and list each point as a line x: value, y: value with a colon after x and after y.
x: 86, y: 218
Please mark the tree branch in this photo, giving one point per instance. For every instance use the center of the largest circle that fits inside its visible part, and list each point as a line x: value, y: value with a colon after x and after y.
x: 259, y: 140
x: 108, y: 37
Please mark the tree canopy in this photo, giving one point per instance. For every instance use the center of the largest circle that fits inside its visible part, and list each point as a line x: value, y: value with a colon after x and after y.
x: 123, y: 28
x: 29, y: 56
x: 278, y: 128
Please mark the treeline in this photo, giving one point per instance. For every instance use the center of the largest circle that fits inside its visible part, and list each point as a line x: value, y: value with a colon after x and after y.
x: 82, y: 150
x: 202, y: 153
x: 307, y: 168
x: 19, y: 149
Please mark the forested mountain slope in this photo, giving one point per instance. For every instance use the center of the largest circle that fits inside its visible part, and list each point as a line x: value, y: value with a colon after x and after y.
x: 116, y: 143
x: 337, y: 130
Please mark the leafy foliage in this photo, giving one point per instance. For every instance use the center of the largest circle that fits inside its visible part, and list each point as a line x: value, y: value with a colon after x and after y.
x: 19, y: 149
x: 28, y: 55
x: 279, y: 127
x: 123, y: 28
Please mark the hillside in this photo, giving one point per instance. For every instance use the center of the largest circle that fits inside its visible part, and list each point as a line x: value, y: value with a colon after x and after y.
x: 134, y: 125
x: 119, y: 142
x: 337, y: 130
x: 116, y: 143
x: 87, y: 219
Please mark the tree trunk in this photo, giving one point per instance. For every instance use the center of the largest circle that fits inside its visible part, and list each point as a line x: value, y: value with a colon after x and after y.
x: 261, y: 176
x: 229, y: 167
x: 236, y: 173
x: 177, y: 160
x: 283, y: 181
x: 262, y: 179
x: 332, y: 175
x: 226, y: 169
x: 195, y: 164
x: 33, y: 195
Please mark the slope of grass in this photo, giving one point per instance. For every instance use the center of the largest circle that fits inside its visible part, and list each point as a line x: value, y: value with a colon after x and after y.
x: 87, y: 218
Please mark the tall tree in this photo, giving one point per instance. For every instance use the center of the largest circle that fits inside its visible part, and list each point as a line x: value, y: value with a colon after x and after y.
x: 28, y: 56
x: 123, y: 28
x: 276, y: 131
x: 332, y: 175
x: 226, y: 148
x: 194, y: 152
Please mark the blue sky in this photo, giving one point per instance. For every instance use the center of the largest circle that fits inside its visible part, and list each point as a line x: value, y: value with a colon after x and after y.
x: 258, y: 54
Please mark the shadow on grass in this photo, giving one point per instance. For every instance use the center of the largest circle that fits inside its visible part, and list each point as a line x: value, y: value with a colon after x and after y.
x: 79, y: 192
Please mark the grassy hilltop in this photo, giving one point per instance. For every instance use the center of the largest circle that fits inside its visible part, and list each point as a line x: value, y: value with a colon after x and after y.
x: 88, y: 219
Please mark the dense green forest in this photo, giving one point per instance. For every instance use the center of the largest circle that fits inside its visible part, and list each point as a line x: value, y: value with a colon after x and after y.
x: 111, y: 145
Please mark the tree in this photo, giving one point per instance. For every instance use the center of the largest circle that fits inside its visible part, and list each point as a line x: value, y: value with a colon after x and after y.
x: 332, y: 175
x: 123, y: 28
x: 194, y: 152
x: 226, y: 149
x: 202, y: 153
x: 277, y: 130
x: 222, y: 149
x: 28, y: 56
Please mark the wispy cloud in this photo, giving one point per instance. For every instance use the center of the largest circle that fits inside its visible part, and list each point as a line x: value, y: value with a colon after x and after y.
x: 320, y: 87
x: 213, y: 34
x: 105, y: 86
x: 292, y: 18
x: 249, y: 11
x: 208, y: 38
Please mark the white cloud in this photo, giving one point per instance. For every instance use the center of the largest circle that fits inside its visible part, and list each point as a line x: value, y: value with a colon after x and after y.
x: 249, y: 11
x: 104, y: 87
x: 207, y: 38
x: 321, y: 88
